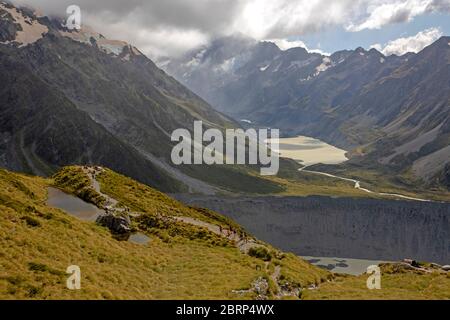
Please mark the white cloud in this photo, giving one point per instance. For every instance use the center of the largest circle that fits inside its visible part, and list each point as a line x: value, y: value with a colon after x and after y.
x: 154, y: 42
x: 384, y: 12
x: 267, y: 19
x: 391, y: 12
x: 172, y: 26
x: 285, y: 44
x: 410, y: 44
x: 286, y: 18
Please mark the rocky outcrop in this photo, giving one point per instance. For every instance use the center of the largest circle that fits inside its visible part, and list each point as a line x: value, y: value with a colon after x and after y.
x: 117, y: 224
x: 8, y: 29
x: 260, y: 288
x: 351, y: 98
x: 124, y: 120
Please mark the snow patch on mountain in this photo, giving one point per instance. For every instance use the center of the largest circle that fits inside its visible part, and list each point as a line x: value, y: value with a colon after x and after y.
x: 114, y: 47
x: 302, y: 63
x: 326, y: 64
x: 228, y: 65
x: 127, y: 57
x: 277, y: 68
x: 84, y: 35
x: 31, y: 30
x: 196, y: 60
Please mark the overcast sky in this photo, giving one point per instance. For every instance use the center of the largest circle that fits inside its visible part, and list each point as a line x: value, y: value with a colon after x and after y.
x: 170, y: 27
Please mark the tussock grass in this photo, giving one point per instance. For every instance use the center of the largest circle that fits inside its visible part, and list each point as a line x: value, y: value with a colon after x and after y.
x: 192, y: 264
x: 73, y: 180
x: 407, y: 285
x: 181, y: 261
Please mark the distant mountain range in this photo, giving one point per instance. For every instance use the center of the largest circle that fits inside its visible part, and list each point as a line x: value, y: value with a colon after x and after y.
x: 75, y: 97
x: 393, y: 112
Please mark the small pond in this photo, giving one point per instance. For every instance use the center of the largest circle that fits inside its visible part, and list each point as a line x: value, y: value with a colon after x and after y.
x: 84, y: 211
x: 139, y: 238
x: 73, y: 205
x: 354, y: 267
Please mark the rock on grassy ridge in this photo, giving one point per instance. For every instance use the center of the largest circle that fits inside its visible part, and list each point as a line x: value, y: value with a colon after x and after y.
x: 181, y: 261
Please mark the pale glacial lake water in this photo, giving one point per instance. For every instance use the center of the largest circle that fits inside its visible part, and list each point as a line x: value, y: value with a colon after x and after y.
x: 343, y: 265
x: 310, y: 151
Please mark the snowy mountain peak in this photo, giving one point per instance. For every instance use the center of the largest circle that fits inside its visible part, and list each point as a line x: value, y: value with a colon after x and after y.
x: 24, y: 26
x: 88, y: 36
x: 19, y: 27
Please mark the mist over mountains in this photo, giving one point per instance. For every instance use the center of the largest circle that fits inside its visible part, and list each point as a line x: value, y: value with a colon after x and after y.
x: 76, y: 97
x: 392, y: 112
x: 112, y: 165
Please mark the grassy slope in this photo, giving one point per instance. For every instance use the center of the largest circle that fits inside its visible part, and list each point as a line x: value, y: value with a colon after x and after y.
x: 181, y: 262
x: 306, y: 184
x: 38, y: 244
x: 395, y: 283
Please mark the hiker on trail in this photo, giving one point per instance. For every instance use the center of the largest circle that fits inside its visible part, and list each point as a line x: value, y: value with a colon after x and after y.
x: 221, y: 229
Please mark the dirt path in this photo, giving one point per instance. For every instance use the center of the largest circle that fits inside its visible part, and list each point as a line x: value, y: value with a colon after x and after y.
x: 243, y: 243
x: 358, y: 186
x: 275, y: 276
x: 92, y: 173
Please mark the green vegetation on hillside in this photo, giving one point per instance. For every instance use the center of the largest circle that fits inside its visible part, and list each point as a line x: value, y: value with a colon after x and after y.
x: 397, y: 283
x: 375, y: 178
x: 181, y: 261
x: 74, y: 181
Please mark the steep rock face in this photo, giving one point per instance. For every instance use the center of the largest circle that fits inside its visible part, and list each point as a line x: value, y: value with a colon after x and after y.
x: 115, y: 84
x: 291, y: 90
x: 394, y: 109
x: 8, y: 27
x: 133, y: 105
x: 42, y: 130
x: 347, y: 228
x: 243, y: 75
x: 414, y: 114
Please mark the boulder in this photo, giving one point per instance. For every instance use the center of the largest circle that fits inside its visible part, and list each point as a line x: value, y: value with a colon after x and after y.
x: 412, y: 263
x: 117, y: 224
x: 446, y: 268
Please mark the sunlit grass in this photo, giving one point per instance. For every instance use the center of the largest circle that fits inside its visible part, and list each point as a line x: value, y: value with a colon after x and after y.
x: 181, y: 261
x: 35, y: 256
x: 402, y: 286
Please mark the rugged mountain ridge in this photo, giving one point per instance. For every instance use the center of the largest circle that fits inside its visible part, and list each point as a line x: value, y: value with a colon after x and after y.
x: 392, y: 110
x: 188, y: 256
x: 125, y: 103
